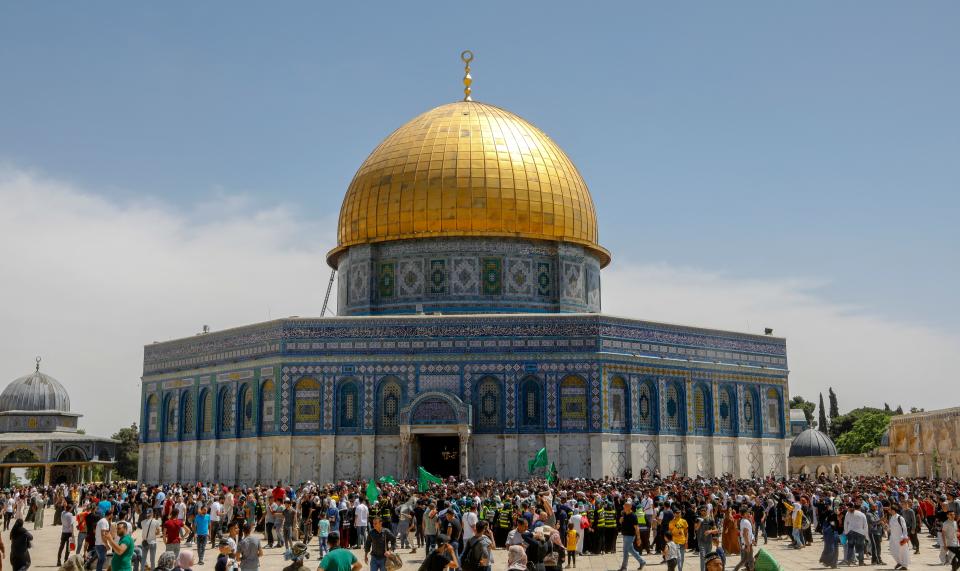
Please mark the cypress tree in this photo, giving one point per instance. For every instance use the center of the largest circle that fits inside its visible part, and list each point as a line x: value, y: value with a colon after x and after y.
x: 822, y: 419
x: 834, y: 408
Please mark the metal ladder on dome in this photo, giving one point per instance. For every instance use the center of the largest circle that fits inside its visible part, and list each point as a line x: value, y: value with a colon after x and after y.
x: 326, y: 298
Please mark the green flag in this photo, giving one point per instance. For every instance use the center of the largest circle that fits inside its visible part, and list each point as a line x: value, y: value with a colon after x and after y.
x: 372, y: 492
x: 388, y: 480
x: 424, y: 479
x: 538, y: 461
x: 552, y: 474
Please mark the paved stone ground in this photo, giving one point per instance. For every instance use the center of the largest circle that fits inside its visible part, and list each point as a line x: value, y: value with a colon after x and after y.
x: 47, y: 539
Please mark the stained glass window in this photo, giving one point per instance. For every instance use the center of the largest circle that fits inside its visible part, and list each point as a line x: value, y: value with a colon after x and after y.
x: 573, y: 403
x: 700, y: 408
x: 773, y: 410
x: 171, y: 417
x: 152, y: 412
x: 390, y: 396
x: 530, y: 402
x: 227, y: 414
x: 306, y: 411
x: 616, y: 403
x: 268, y: 405
x: 189, y: 414
x: 487, y: 407
x: 349, y: 405
x: 645, y: 404
x: 206, y: 412
x: 725, y: 407
x: 672, y: 407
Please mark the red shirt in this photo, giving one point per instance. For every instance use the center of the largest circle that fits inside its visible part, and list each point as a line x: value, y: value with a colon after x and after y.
x: 171, y: 530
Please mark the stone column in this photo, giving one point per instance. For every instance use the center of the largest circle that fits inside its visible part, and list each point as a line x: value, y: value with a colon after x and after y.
x: 46, y: 474
x: 405, y: 440
x: 464, y: 452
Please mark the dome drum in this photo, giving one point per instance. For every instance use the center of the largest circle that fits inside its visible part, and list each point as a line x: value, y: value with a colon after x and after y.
x: 812, y: 442
x: 468, y: 275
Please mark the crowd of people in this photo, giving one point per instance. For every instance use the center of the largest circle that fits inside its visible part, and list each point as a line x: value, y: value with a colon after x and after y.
x: 541, y: 526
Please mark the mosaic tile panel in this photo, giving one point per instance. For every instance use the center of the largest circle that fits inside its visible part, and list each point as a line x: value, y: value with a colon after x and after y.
x: 359, y: 283
x: 449, y: 383
x: 491, y: 275
x: 518, y: 276
x: 572, y: 281
x: 544, y: 279
x: 387, y: 280
x: 410, y: 278
x: 438, y: 277
x: 465, y: 277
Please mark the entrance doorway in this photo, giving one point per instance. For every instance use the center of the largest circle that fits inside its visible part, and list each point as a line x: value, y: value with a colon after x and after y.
x: 440, y: 455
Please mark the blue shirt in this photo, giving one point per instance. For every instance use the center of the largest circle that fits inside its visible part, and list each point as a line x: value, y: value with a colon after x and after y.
x: 203, y: 524
x: 104, y: 506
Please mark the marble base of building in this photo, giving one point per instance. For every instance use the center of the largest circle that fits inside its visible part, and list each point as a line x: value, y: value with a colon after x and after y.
x: 249, y: 461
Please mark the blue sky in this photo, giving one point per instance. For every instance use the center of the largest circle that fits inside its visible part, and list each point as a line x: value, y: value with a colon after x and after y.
x: 756, y: 140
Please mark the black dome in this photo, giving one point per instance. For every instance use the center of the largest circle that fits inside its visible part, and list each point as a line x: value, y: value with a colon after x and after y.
x: 812, y: 442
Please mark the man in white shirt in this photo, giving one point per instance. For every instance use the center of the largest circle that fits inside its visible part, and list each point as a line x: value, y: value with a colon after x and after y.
x: 855, y: 528
x: 215, y: 511
x: 67, y: 521
x: 99, y: 545
x: 900, y: 546
x: 746, y: 542
x: 468, y: 524
x: 360, y: 515
x: 149, y: 526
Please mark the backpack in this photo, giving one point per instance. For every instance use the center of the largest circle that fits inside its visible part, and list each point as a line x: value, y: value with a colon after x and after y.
x: 473, y: 553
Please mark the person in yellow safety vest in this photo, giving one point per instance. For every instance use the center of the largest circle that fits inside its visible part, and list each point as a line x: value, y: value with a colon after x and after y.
x: 610, y: 528
x: 599, y: 525
x: 504, y: 521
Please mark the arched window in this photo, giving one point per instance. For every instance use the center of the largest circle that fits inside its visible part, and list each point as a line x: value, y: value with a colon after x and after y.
x: 391, y: 395
x: 727, y: 409
x: 673, y: 407
x: 227, y: 412
x: 206, y: 412
x: 170, y: 417
x: 702, y: 417
x: 750, y: 411
x: 268, y: 404
x: 247, y: 420
x: 531, y: 403
x: 153, y: 422
x: 306, y: 412
x: 773, y: 410
x: 486, y: 404
x: 646, y: 406
x: 617, y: 403
x: 189, y: 414
x: 573, y: 403
x: 349, y: 405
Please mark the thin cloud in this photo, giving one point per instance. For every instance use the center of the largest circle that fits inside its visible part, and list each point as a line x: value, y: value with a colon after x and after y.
x: 87, y: 281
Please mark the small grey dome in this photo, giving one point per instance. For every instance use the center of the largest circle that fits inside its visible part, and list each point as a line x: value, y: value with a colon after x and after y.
x: 35, y: 392
x: 812, y: 442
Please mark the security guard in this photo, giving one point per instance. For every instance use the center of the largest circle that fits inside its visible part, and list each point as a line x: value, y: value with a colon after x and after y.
x: 610, y: 528
x: 504, y: 523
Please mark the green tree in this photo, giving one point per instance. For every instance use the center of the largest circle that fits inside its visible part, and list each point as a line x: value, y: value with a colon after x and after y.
x: 128, y: 452
x: 799, y: 402
x: 822, y: 418
x: 865, y: 434
x: 834, y: 407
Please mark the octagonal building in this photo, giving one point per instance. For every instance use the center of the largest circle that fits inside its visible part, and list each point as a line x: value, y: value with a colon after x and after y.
x: 469, y: 335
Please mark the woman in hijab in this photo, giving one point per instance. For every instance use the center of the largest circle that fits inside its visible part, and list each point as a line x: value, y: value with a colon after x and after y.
x: 20, y: 540
x: 516, y: 558
x: 731, y: 533
x: 185, y: 560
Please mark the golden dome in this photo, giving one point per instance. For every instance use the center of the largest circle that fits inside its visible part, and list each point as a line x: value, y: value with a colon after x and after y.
x: 467, y: 169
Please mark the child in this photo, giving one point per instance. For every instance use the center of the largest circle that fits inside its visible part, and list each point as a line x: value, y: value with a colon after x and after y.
x: 224, y: 561
x: 572, y: 537
x: 671, y: 552
x: 323, y: 530
x: 718, y: 549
